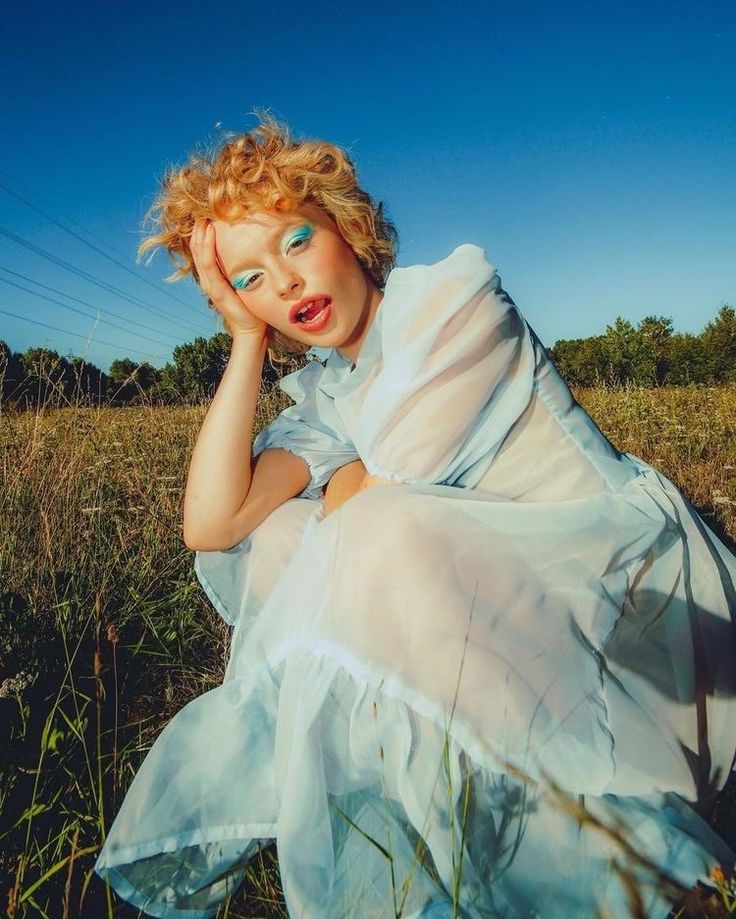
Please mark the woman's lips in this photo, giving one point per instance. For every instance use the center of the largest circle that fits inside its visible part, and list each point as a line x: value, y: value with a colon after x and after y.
x: 318, y: 321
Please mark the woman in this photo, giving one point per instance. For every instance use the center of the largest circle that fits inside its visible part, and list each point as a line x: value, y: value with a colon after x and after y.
x: 481, y: 660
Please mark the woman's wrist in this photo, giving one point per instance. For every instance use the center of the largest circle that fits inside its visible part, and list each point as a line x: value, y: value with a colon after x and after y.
x: 249, y: 341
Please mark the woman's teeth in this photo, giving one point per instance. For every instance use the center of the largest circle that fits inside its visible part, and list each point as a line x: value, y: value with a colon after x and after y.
x: 310, y: 310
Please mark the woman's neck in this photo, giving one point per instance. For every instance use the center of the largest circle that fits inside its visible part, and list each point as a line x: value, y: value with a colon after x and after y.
x: 351, y: 348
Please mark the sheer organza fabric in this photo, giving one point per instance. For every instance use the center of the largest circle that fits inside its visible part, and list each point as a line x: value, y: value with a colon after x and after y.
x: 422, y: 685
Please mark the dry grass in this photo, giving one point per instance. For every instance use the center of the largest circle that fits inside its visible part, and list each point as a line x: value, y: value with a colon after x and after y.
x: 688, y: 433
x: 105, y: 633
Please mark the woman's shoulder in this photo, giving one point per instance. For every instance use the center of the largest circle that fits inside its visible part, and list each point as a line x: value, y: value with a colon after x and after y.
x: 467, y: 258
x: 428, y: 295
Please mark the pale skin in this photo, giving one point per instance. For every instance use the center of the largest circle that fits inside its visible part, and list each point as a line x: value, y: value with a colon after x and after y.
x: 226, y: 498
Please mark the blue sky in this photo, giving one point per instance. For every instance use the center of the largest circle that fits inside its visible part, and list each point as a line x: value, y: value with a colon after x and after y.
x: 589, y: 149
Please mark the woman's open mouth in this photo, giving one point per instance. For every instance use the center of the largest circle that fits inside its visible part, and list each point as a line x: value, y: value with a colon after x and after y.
x: 314, y: 315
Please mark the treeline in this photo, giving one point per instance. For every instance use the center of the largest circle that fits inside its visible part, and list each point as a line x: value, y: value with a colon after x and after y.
x: 41, y: 376
x: 648, y: 354
x: 651, y: 354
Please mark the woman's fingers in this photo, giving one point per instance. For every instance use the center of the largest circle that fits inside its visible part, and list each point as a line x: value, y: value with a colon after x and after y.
x: 214, y: 284
x: 202, y: 247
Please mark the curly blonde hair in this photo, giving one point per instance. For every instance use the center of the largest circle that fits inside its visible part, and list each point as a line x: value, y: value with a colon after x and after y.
x: 265, y: 169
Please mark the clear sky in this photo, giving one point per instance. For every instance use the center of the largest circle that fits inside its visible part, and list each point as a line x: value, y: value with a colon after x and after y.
x: 589, y: 148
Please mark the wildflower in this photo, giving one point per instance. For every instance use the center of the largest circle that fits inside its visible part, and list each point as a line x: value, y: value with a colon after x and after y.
x: 15, y: 685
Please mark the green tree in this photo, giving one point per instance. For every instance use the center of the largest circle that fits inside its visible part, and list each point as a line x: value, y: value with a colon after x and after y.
x: 651, y: 354
x: 637, y: 355
x: 581, y: 361
x: 11, y: 375
x: 655, y: 333
x: 622, y: 353
x: 90, y: 382
x: 687, y: 360
x: 49, y: 378
x: 197, y: 369
x: 132, y: 382
x: 122, y: 369
x: 719, y: 341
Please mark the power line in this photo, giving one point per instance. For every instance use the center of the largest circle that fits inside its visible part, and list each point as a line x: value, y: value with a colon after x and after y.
x: 61, y: 293
x: 92, y: 279
x: 136, y: 301
x: 75, y: 310
x: 68, y: 219
x: 94, y: 248
x: 86, y: 338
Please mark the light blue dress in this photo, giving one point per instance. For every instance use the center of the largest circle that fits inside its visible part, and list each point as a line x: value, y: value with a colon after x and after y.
x: 430, y: 688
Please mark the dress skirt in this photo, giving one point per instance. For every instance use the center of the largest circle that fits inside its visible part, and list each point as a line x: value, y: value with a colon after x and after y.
x: 443, y: 703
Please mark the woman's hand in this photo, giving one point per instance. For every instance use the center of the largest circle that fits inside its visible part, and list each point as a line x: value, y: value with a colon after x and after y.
x: 215, y: 286
x: 348, y: 481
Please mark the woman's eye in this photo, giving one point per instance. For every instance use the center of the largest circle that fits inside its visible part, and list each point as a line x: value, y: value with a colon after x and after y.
x: 300, y: 238
x: 297, y: 241
x: 244, y: 283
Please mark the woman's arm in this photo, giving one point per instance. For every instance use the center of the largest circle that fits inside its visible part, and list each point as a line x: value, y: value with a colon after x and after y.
x: 227, y: 494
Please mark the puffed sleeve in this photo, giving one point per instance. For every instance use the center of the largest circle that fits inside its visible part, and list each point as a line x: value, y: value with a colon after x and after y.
x: 456, y: 371
x: 303, y: 429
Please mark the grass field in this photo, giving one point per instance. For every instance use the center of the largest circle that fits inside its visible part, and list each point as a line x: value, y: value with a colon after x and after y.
x: 105, y: 632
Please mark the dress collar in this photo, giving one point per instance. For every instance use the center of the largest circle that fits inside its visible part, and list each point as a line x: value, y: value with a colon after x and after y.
x: 340, y: 375
x: 404, y: 289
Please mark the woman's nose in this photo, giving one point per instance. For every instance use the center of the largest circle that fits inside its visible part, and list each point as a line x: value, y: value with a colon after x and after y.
x: 288, y: 281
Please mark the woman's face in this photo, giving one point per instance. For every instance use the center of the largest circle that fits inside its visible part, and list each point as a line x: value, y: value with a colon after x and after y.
x: 296, y: 272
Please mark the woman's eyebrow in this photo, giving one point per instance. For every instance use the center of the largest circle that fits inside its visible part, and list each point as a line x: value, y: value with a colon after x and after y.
x: 245, y: 262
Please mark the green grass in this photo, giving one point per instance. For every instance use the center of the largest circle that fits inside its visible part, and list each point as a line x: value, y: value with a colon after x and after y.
x: 105, y: 632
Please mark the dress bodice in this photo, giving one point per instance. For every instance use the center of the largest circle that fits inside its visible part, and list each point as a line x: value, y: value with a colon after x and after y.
x: 452, y: 386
